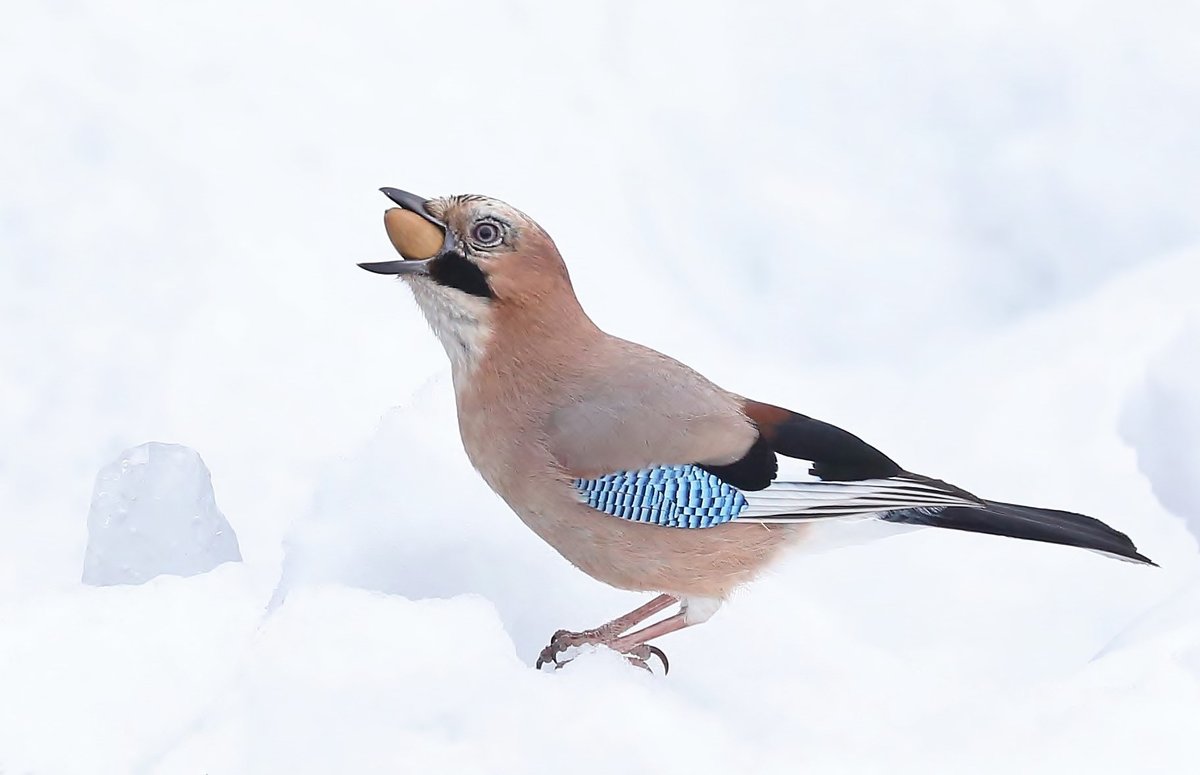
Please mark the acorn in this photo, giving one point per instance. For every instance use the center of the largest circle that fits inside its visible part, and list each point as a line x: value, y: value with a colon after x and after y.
x: 412, y: 236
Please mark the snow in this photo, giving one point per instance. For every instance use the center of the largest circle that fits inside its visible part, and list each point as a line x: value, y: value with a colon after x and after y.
x: 153, y: 512
x: 968, y: 233
x: 1162, y: 422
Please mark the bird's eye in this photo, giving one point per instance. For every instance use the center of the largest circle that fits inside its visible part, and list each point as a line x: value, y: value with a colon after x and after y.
x: 486, y: 234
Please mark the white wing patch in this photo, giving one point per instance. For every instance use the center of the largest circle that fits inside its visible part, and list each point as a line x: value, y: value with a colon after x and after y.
x: 802, y: 501
x: 688, y: 496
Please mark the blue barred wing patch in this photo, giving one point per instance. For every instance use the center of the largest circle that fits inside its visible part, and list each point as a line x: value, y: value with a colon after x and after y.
x: 671, y: 496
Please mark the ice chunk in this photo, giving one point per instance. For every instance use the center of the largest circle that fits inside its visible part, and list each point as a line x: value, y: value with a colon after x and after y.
x: 153, y: 512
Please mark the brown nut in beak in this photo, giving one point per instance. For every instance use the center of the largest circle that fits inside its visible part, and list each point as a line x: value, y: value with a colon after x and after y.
x: 412, y: 236
x: 417, y: 236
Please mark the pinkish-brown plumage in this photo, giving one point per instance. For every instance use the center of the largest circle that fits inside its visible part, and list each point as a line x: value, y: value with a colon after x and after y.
x: 552, y: 398
x: 545, y: 398
x: 561, y: 424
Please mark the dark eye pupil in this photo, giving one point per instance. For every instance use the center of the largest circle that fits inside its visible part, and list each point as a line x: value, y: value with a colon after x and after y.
x: 486, y: 233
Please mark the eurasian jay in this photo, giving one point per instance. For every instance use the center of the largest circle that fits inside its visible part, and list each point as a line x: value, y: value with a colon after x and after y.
x: 635, y: 468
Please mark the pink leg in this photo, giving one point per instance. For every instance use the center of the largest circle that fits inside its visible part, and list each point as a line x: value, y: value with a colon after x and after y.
x: 628, y: 643
x: 636, y: 648
x: 638, y: 615
x: 607, y: 633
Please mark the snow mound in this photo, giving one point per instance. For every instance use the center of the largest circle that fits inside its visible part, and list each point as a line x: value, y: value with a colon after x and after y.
x: 1162, y: 422
x: 930, y: 652
x: 95, y: 680
x: 154, y: 512
x: 406, y: 514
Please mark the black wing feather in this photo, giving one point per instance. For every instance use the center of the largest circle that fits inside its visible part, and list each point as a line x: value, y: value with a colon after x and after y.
x: 837, y: 455
x: 753, y: 471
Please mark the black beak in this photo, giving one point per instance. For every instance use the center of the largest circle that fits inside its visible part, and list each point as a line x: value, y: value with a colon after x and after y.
x: 413, y: 204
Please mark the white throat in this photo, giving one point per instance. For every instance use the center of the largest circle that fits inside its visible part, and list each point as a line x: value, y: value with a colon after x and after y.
x: 461, y: 322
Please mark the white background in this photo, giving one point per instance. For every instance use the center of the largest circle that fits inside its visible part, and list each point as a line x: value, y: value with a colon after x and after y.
x: 967, y: 232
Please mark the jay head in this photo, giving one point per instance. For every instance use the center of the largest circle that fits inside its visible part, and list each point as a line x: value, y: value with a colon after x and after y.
x: 633, y: 466
x: 473, y: 264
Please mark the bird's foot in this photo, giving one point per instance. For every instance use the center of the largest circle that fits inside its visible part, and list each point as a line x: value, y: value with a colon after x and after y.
x: 639, y: 656
x: 563, y: 641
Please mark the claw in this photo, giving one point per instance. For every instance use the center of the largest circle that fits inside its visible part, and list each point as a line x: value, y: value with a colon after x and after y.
x: 548, y: 656
x: 666, y: 663
x: 560, y: 641
x: 638, y: 656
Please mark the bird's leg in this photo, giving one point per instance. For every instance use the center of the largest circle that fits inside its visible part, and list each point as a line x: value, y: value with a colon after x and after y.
x: 608, y: 633
x: 635, y: 647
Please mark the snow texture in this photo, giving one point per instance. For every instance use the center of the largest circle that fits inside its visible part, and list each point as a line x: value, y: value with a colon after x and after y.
x: 967, y: 232
x: 153, y: 512
x: 1162, y: 422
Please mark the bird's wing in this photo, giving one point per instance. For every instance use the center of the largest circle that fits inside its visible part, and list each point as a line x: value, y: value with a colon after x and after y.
x: 694, y: 496
x: 635, y: 408
x: 845, y: 475
x: 667, y: 453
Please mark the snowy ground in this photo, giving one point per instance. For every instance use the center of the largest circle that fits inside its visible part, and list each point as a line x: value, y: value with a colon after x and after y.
x: 972, y: 237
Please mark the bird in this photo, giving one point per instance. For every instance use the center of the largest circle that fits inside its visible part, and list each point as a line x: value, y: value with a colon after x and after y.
x: 633, y: 466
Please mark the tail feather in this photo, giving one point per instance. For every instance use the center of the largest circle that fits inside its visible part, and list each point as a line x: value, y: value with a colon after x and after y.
x: 1026, y: 522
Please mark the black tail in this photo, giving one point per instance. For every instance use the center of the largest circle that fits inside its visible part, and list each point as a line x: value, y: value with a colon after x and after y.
x: 1033, y: 524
